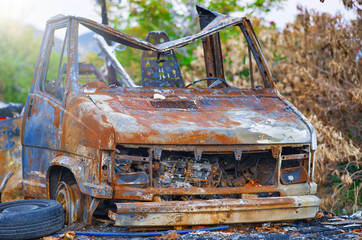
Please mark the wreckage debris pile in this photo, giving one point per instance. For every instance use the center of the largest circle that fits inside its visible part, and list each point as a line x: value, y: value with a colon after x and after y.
x: 323, y: 226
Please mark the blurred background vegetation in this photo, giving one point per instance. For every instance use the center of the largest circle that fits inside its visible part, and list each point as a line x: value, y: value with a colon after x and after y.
x: 315, y: 60
x: 19, y: 46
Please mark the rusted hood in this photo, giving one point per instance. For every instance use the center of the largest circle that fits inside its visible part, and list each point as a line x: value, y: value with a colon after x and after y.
x: 200, y: 116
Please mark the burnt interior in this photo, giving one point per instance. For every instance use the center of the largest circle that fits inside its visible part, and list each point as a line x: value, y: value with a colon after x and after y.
x: 302, y: 150
x: 179, y: 169
x: 294, y: 165
x: 132, y: 166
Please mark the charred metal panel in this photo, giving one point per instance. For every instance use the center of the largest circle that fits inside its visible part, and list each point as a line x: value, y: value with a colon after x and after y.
x: 43, y: 122
x: 221, y: 22
x: 10, y: 159
x: 228, y: 119
x: 85, y: 173
x: 86, y: 129
x: 303, y: 118
x: 225, y: 211
x: 9, y: 140
x: 42, y: 133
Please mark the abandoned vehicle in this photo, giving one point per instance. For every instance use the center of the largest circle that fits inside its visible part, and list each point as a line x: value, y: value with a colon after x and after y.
x: 168, y: 151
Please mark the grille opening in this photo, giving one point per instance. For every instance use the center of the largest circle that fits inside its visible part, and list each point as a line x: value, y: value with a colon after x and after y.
x: 294, y: 167
x: 180, y: 169
x: 131, y: 166
x: 295, y: 157
x: 174, y: 104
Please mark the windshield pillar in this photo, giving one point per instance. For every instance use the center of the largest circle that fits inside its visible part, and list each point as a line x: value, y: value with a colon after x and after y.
x: 212, y: 48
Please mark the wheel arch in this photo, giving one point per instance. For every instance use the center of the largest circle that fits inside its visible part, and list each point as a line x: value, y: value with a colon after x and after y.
x: 77, y: 169
x: 64, y: 167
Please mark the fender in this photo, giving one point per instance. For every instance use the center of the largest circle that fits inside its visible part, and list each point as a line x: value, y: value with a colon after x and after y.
x: 77, y: 166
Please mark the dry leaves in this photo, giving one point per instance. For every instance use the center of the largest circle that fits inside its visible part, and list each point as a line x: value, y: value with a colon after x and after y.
x: 272, y: 229
x: 65, y: 236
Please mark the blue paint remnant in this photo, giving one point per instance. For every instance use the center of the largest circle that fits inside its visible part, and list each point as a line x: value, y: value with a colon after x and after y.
x: 10, y: 132
x: 10, y: 145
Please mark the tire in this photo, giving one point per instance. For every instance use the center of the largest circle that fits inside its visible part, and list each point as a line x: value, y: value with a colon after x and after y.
x: 28, y: 219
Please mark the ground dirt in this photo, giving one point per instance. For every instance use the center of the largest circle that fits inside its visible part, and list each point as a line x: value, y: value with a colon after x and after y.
x: 324, y: 226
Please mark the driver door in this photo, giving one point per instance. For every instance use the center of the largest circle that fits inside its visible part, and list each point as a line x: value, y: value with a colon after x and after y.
x: 44, y: 115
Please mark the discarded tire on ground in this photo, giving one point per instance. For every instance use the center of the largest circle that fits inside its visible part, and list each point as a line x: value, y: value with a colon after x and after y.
x: 29, y: 219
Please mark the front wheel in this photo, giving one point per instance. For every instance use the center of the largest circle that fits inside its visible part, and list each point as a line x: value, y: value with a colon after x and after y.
x: 70, y: 198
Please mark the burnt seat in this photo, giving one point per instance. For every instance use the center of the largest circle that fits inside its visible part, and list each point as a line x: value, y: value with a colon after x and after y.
x: 89, y: 72
x: 160, y: 69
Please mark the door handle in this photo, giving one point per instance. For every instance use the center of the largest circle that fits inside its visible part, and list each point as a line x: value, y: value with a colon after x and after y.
x: 30, y: 107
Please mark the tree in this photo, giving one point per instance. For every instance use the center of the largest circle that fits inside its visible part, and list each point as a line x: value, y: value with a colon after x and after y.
x: 179, y: 18
x: 19, y: 49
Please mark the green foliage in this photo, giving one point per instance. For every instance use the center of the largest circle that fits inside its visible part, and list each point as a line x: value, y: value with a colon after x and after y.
x: 177, y: 18
x: 130, y: 57
x: 19, y: 50
x: 349, y: 188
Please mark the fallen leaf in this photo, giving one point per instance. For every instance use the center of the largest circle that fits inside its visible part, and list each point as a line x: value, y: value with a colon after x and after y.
x: 50, y: 238
x: 172, y: 235
x: 319, y: 215
x: 294, y: 234
x: 358, y: 231
x: 198, y: 227
x: 69, y: 235
x: 251, y: 183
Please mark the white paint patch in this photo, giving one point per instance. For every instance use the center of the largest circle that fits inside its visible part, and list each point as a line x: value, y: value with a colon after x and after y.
x: 91, y: 90
x: 157, y: 96
x: 100, y: 98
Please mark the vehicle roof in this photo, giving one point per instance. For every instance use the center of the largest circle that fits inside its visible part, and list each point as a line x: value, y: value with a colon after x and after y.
x: 219, y: 23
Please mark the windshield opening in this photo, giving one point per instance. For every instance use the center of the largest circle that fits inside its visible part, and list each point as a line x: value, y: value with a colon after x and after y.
x: 104, y: 64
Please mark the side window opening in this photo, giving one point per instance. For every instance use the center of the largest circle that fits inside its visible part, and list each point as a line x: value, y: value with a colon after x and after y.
x: 54, y: 76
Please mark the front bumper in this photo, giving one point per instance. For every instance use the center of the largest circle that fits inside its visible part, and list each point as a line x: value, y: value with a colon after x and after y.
x: 217, y: 211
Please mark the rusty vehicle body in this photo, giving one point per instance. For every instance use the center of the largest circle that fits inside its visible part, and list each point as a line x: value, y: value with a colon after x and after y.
x: 164, y: 153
